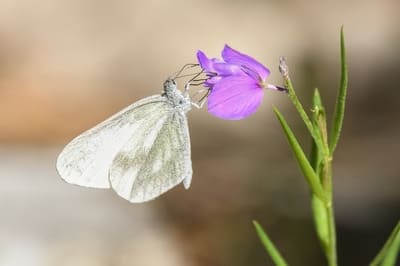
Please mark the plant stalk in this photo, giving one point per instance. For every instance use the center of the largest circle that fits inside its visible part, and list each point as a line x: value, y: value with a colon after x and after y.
x: 319, y: 134
x: 326, y: 179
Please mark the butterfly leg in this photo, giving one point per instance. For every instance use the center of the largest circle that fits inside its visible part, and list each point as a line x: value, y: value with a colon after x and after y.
x: 187, y: 88
x: 198, y: 104
x: 202, y: 101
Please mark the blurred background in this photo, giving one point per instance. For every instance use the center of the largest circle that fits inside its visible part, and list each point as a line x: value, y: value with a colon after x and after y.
x: 65, y: 65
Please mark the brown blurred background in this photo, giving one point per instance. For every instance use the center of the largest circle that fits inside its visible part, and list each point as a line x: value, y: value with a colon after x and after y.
x: 67, y: 64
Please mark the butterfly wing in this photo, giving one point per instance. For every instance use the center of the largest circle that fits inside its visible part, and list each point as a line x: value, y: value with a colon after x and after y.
x: 86, y: 160
x: 154, y: 161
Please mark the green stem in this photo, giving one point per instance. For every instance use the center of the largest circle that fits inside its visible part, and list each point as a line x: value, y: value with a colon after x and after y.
x: 331, y: 252
x: 295, y: 100
x: 324, y: 215
x: 326, y: 179
x: 327, y: 184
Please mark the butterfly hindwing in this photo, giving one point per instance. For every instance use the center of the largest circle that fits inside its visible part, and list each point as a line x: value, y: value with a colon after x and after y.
x: 154, y: 161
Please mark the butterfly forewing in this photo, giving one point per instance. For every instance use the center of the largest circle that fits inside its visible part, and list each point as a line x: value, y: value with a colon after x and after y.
x: 87, y: 159
x: 155, y: 160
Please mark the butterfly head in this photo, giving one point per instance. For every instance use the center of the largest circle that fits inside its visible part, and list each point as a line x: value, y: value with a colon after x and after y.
x: 169, y: 86
x: 175, y: 96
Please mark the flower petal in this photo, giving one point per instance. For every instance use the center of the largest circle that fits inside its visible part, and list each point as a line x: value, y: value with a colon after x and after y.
x: 235, y: 57
x: 235, y: 97
x: 210, y: 82
x: 224, y: 69
x: 204, y: 61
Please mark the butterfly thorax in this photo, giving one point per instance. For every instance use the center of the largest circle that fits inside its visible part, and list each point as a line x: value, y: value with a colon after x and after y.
x: 176, y: 97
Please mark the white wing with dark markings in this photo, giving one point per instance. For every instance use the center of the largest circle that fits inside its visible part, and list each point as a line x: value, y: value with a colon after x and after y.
x: 86, y: 160
x: 155, y: 160
x: 141, y: 152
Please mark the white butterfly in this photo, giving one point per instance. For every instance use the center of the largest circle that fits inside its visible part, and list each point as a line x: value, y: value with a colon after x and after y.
x: 141, y: 152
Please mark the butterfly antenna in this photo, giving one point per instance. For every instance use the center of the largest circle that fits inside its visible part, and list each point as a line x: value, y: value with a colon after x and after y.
x: 187, y: 75
x: 186, y: 66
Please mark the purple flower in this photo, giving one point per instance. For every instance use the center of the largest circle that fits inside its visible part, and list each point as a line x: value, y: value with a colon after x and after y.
x: 216, y: 69
x: 237, y: 84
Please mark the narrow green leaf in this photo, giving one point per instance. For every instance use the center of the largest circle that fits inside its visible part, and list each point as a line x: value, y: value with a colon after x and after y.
x: 318, y: 111
x: 393, y: 252
x: 269, y: 246
x: 319, y: 117
x: 388, y: 254
x: 305, y: 166
x: 321, y: 221
x: 324, y: 159
x: 317, y: 101
x: 338, y: 114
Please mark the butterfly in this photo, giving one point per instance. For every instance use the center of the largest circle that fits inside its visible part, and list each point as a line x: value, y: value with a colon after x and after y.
x: 140, y: 152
